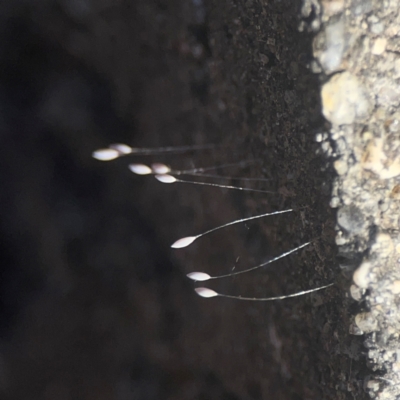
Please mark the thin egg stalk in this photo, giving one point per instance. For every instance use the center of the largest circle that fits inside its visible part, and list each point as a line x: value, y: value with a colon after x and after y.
x: 202, y: 276
x: 186, y: 241
x: 207, y: 293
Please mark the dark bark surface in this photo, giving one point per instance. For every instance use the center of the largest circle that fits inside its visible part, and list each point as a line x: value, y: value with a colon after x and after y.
x: 94, y: 304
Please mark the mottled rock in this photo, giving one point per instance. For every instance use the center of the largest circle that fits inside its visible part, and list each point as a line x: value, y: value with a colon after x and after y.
x: 360, y: 276
x: 366, y: 322
x: 332, y: 41
x: 340, y: 167
x: 351, y: 218
x: 344, y: 100
x: 379, y: 46
x: 383, y: 245
x: 332, y: 7
x: 376, y: 160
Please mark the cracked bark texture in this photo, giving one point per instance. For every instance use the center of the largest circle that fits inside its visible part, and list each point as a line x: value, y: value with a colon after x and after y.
x: 94, y: 303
